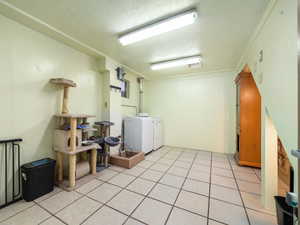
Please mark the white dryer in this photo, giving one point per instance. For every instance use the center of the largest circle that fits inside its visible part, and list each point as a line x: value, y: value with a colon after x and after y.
x: 157, y: 134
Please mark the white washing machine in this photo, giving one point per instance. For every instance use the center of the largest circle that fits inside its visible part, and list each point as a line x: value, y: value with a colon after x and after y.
x: 139, y: 134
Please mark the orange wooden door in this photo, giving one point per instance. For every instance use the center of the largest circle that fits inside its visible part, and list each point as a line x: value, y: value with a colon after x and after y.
x: 250, y: 121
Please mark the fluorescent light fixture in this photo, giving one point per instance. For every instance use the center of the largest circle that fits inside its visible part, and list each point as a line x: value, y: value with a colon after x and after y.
x: 163, y: 26
x: 176, y: 62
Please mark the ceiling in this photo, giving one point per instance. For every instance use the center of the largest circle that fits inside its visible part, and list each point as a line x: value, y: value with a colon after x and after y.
x: 220, y: 33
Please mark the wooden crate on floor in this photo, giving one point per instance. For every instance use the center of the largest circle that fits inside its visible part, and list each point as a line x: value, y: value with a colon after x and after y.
x: 128, y: 160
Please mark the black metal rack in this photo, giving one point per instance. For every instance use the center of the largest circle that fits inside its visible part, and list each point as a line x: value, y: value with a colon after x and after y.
x: 11, y: 149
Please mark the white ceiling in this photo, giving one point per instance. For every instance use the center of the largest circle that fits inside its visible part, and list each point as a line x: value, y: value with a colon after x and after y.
x: 220, y: 34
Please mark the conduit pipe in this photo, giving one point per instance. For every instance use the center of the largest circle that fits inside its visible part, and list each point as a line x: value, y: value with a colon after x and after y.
x: 141, y: 93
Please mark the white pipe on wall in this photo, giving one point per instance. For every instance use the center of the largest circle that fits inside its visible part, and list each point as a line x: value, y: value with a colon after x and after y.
x: 141, y: 93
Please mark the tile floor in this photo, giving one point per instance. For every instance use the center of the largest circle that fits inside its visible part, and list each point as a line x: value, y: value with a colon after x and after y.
x: 172, y: 186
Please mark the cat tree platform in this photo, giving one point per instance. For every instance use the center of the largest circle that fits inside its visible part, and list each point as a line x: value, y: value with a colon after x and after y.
x: 70, y: 146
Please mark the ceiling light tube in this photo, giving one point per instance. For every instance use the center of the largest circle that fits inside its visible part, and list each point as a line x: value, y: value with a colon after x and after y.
x: 176, y: 63
x: 163, y: 26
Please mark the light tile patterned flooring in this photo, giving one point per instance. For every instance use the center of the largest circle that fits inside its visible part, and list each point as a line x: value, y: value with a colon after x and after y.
x: 173, y: 186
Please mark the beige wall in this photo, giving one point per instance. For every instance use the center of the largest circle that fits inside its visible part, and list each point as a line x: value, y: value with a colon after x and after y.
x: 28, y: 60
x: 197, y: 112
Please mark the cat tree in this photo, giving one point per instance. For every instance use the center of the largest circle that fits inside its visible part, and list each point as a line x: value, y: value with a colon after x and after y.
x: 68, y: 141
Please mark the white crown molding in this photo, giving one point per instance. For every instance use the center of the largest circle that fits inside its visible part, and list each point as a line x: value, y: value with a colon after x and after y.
x: 256, y: 33
x: 18, y: 15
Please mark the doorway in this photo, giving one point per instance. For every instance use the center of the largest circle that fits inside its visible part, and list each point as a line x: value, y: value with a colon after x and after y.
x: 248, y: 120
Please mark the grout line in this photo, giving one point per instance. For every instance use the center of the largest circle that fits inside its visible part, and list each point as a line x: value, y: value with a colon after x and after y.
x: 247, y: 181
x: 234, y: 189
x: 258, y: 177
x: 182, y: 151
x: 164, y: 173
x: 209, y: 191
x: 59, y: 190
x: 219, y: 167
x: 48, y: 218
x: 262, y: 212
x: 179, y: 191
x: 208, y: 219
x: 105, y: 204
x: 173, y: 205
x: 1, y: 221
x: 231, y: 203
x: 52, y: 214
x: 197, y: 214
x: 238, y: 188
x: 122, y: 188
x: 38, y: 204
x: 82, y: 195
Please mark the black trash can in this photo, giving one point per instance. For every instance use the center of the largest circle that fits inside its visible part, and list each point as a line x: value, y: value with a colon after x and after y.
x: 284, y: 212
x: 37, y: 178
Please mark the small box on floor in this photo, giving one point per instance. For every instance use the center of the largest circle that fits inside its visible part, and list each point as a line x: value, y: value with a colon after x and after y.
x: 37, y: 178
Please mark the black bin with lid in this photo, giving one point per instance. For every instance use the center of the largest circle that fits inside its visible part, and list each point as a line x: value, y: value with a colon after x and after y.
x: 284, y: 212
x: 37, y: 178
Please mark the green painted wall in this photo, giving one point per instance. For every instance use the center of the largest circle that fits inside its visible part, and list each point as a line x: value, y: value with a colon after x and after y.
x: 28, y: 60
x: 272, y: 57
x: 130, y: 105
x: 277, y: 76
x: 197, y: 112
